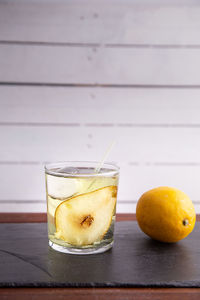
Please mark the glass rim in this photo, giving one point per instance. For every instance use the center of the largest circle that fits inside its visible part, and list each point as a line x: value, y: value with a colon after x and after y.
x: 114, y: 168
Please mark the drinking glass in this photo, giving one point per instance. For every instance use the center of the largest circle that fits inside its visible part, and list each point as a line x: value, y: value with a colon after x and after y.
x: 81, y: 206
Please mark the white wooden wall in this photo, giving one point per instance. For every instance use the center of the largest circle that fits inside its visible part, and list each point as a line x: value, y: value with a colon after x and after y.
x: 76, y: 74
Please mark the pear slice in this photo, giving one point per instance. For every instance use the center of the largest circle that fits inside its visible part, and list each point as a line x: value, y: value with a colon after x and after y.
x: 52, y: 205
x: 85, y: 219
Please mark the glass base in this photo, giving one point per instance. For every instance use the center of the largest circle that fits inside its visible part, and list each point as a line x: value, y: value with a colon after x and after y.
x: 83, y: 251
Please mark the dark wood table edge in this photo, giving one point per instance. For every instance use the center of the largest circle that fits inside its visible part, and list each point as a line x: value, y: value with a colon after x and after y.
x: 42, y: 217
x: 89, y: 293
x: 99, y: 293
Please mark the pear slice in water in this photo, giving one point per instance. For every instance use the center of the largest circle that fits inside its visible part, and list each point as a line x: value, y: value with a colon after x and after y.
x: 85, y: 219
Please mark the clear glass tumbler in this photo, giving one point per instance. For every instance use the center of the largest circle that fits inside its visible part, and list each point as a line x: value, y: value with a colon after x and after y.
x: 81, y: 206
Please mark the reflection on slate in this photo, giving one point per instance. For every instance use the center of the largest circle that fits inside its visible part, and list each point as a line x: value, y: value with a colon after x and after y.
x: 135, y: 260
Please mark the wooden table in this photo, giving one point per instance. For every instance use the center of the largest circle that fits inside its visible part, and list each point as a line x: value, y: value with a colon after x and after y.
x: 89, y: 293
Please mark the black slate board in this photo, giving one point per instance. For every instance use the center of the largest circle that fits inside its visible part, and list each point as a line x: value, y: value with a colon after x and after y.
x: 26, y: 260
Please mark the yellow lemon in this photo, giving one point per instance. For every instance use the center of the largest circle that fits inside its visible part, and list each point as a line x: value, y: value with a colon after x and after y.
x: 165, y: 214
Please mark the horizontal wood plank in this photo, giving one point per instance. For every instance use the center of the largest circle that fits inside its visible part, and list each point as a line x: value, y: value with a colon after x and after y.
x: 113, y: 22
x: 99, y: 106
x: 134, y: 146
x: 118, y: 66
x: 100, y: 293
x: 23, y: 217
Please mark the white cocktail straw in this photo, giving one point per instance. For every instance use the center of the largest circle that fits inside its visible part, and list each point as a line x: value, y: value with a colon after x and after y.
x: 107, y: 152
x: 100, y: 164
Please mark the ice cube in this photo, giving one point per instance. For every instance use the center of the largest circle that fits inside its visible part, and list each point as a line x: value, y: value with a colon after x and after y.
x: 61, y: 188
x: 68, y: 170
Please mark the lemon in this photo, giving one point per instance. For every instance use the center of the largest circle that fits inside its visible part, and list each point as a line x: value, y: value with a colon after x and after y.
x: 165, y: 214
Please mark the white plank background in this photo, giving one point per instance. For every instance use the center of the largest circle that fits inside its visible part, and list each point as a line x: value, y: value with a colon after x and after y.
x: 112, y: 66
x: 76, y: 74
x: 154, y: 22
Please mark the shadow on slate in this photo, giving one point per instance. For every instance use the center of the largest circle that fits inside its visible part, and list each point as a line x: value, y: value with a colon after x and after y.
x: 26, y: 260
